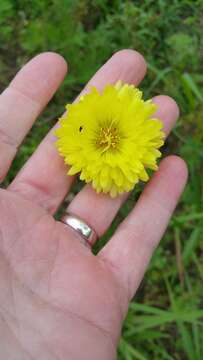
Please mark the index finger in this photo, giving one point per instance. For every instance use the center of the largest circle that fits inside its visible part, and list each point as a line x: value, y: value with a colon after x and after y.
x: 24, y: 99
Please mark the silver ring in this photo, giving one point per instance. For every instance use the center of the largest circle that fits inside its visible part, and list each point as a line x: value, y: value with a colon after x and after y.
x: 84, y: 230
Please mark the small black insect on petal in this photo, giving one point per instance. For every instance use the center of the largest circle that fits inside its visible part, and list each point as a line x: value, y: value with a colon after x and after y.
x: 80, y: 128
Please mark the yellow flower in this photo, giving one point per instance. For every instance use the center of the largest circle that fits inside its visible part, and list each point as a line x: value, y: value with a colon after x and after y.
x: 110, y: 138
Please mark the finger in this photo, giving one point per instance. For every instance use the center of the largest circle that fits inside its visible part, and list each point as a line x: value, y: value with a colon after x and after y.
x: 44, y: 178
x: 24, y: 99
x: 98, y: 210
x: 131, y: 247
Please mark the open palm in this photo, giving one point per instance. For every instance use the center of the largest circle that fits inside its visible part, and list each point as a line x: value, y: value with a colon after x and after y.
x: 58, y: 300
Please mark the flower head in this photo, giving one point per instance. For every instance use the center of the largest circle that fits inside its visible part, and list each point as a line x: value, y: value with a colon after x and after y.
x: 110, y: 138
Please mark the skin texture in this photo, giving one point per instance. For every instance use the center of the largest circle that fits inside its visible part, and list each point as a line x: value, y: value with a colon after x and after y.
x: 58, y: 300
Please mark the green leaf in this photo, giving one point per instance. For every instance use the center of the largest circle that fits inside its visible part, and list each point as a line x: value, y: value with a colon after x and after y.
x: 191, y: 245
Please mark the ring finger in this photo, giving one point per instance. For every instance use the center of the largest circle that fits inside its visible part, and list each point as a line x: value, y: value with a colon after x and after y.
x: 98, y: 210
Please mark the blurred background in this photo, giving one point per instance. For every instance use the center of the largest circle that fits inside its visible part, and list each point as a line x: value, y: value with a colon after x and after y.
x: 165, y: 318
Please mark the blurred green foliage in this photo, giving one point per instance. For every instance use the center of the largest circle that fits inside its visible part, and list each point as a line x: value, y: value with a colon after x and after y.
x: 165, y: 318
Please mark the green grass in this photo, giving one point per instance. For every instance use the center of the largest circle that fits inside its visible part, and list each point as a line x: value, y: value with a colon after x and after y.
x: 165, y: 318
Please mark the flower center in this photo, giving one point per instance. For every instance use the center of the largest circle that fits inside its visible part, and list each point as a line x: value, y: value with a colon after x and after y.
x: 108, y: 138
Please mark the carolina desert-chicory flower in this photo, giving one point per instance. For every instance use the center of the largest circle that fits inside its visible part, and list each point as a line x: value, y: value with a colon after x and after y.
x: 110, y: 138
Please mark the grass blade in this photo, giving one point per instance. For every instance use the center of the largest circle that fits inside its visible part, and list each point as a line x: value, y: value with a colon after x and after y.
x: 190, y: 83
x: 191, y: 245
x: 125, y: 348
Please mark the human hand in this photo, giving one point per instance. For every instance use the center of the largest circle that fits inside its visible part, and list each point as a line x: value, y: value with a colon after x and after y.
x: 58, y: 300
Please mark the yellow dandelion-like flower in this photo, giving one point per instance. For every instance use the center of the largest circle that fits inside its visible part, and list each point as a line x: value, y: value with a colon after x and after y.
x: 110, y: 138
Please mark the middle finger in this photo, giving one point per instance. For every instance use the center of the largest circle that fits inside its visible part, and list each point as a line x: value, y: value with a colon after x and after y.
x: 44, y: 179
